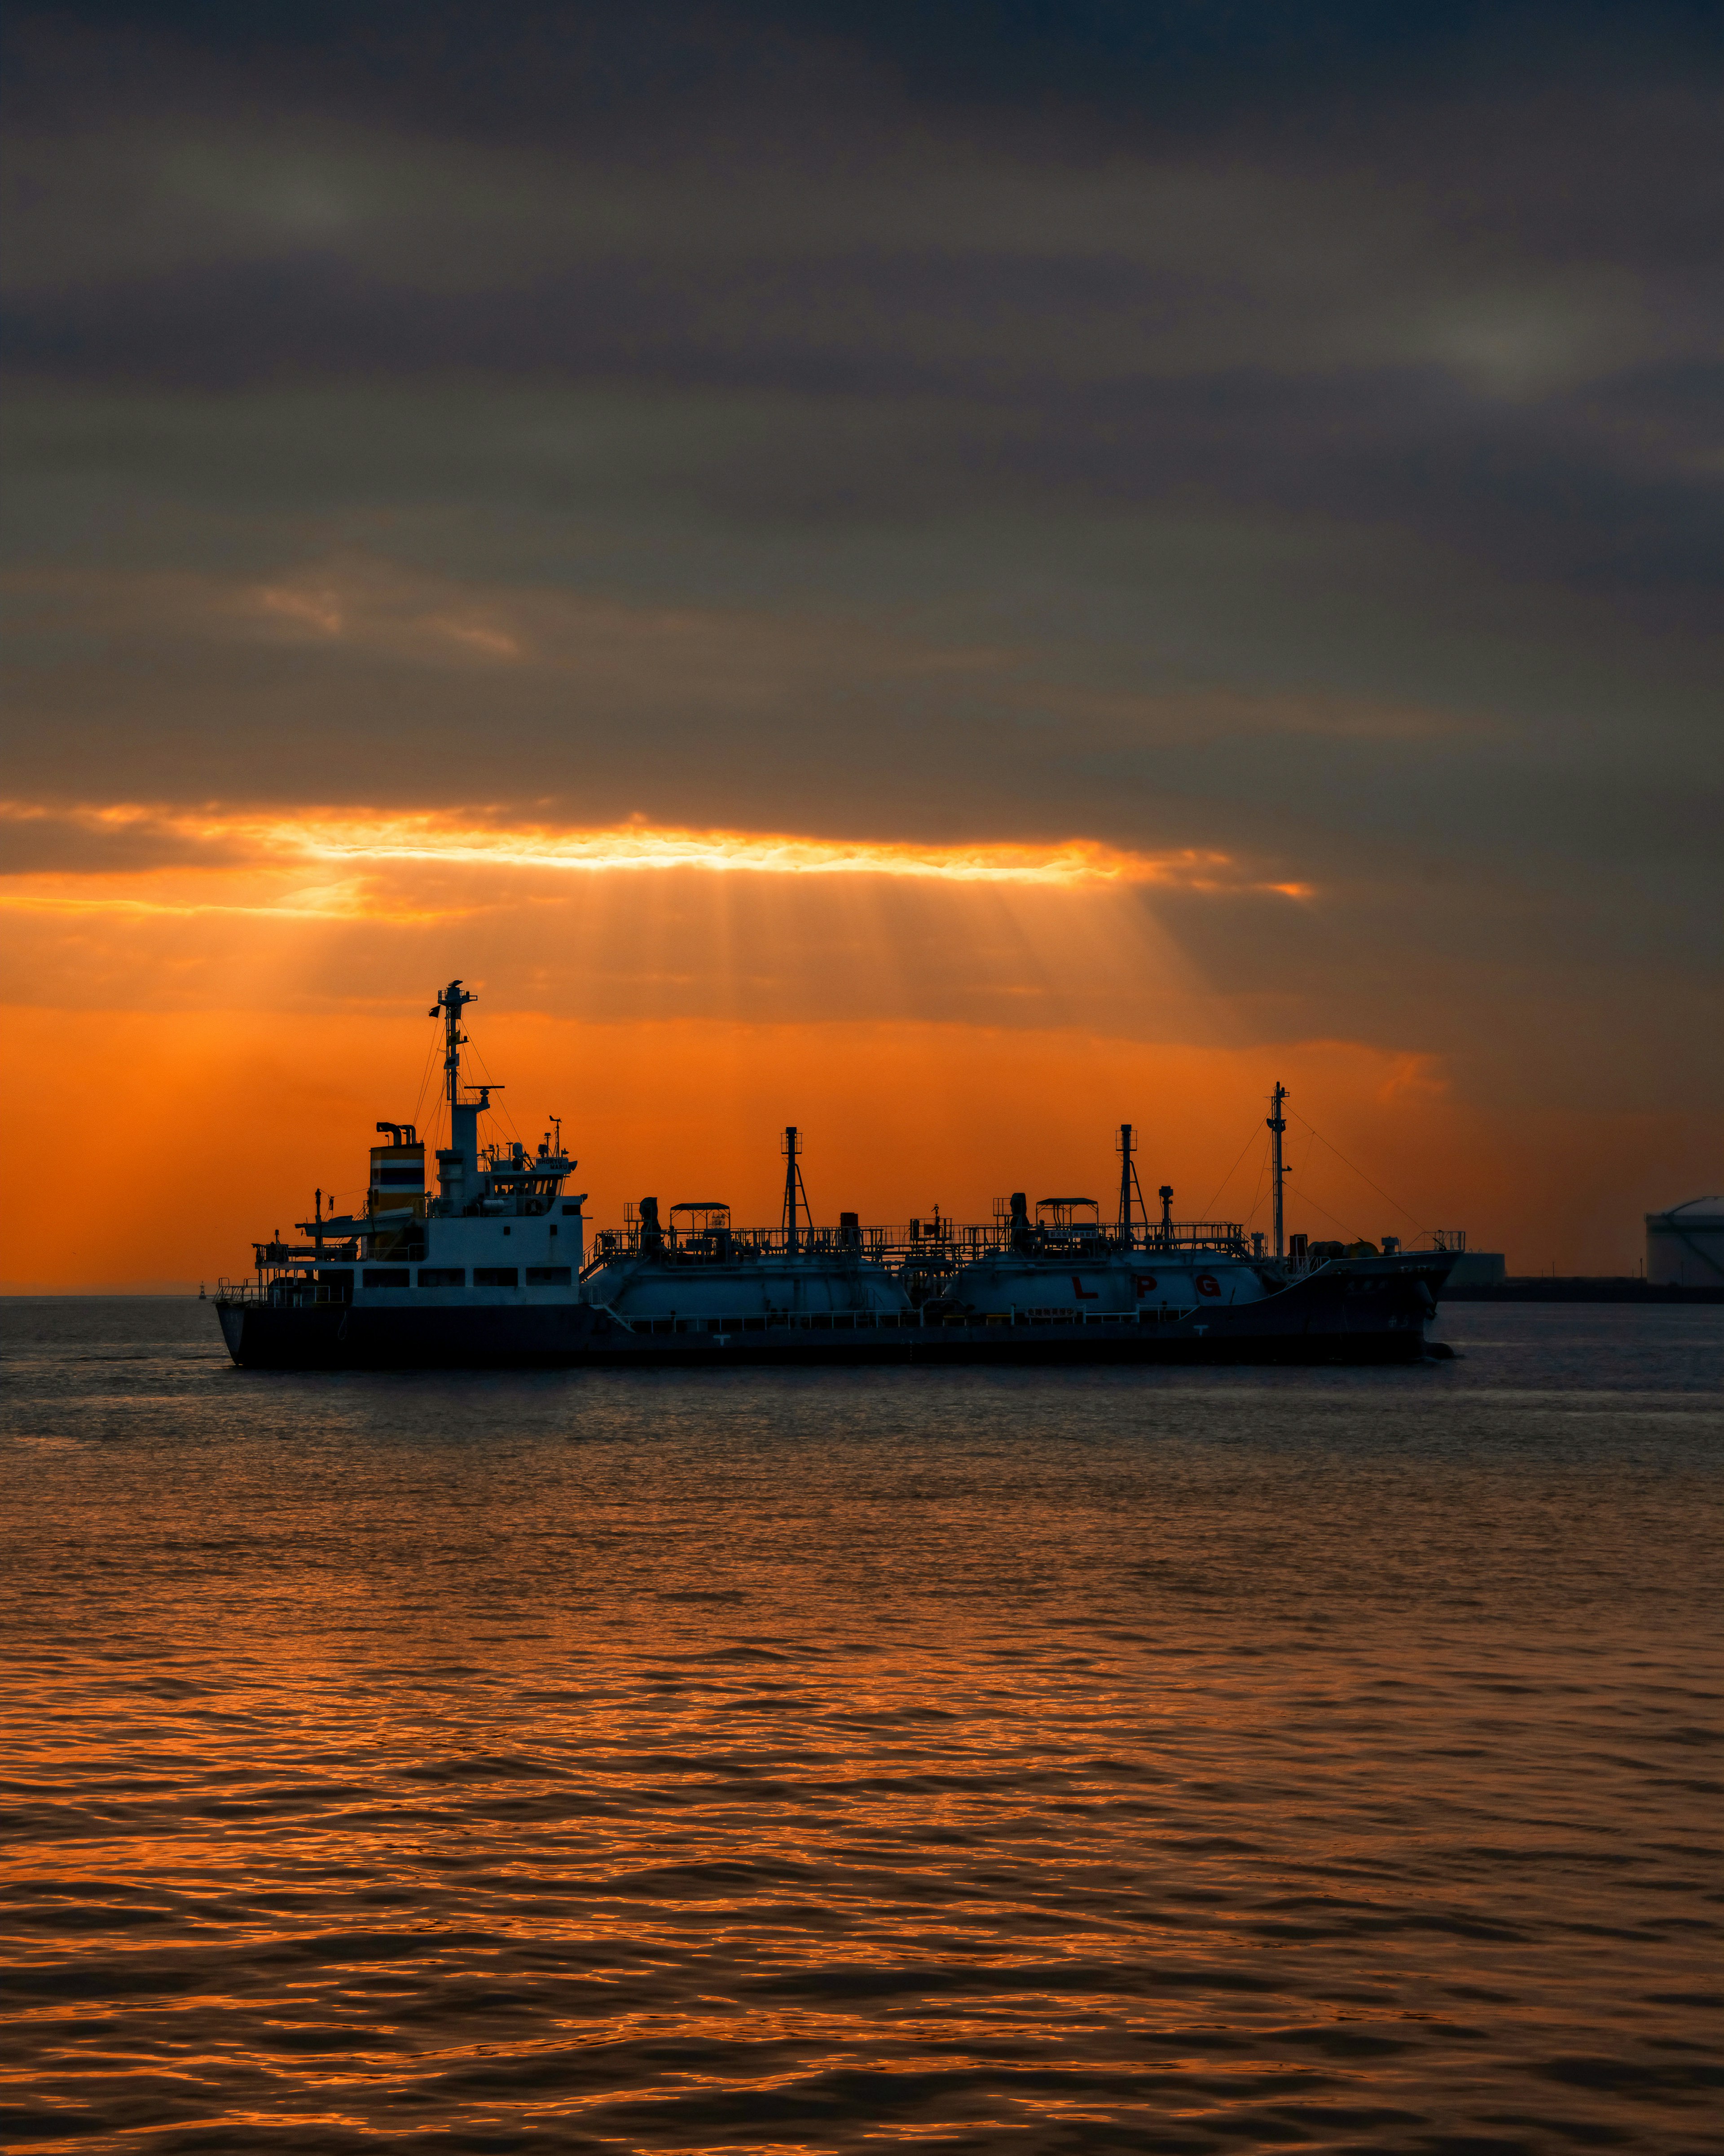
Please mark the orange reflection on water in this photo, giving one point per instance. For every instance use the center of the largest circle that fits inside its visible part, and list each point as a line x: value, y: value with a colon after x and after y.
x: 783, y: 1764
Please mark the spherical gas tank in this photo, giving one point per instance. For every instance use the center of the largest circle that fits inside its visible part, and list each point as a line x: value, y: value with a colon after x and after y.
x: 1685, y: 1246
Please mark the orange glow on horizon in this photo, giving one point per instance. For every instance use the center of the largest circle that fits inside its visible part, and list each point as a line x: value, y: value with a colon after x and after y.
x: 227, y: 1124
x: 356, y: 845
x: 225, y: 1120
x: 226, y: 1000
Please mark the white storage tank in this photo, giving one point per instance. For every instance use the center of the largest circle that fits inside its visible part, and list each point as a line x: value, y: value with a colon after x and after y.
x: 1685, y: 1247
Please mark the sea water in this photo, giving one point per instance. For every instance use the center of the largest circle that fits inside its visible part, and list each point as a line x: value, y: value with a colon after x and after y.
x: 1064, y: 1760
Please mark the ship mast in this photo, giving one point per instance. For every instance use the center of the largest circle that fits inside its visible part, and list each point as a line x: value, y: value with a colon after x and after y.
x: 1277, y: 1172
x: 452, y: 1001
x: 794, y: 1190
x: 1125, y: 1145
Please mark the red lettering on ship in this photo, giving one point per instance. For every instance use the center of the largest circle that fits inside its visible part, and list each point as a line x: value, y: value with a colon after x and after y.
x: 1144, y: 1283
x: 1082, y: 1294
x: 1207, y: 1284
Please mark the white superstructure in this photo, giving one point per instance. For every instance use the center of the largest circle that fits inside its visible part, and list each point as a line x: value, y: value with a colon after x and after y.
x: 501, y: 1230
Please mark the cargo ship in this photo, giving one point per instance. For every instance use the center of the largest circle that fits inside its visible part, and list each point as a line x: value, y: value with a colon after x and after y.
x: 491, y: 1267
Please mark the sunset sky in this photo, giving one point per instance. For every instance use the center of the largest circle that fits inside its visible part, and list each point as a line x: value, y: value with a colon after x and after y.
x: 954, y: 575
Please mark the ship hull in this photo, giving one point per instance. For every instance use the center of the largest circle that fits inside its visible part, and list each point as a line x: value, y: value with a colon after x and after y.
x: 332, y: 1335
x: 1356, y: 1314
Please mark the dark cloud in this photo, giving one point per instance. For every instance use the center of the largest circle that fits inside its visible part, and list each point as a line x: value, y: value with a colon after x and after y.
x: 1484, y: 311
x: 1177, y: 63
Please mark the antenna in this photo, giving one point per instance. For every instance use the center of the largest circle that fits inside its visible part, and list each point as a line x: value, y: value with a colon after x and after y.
x: 1277, y: 1172
x: 794, y: 1190
x: 1166, y: 1194
x: 1131, y: 1190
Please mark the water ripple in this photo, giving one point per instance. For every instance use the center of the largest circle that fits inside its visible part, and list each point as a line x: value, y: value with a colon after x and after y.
x: 1064, y: 1761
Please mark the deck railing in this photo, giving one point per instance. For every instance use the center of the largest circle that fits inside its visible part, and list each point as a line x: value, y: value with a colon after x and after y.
x: 893, y: 1320
x: 281, y: 1287
x: 935, y: 1244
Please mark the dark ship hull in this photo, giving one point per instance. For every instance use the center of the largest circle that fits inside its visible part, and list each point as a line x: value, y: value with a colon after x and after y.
x: 1364, y: 1310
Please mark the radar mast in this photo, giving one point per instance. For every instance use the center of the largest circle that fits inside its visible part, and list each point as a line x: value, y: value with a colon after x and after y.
x: 1278, y: 1173
x: 451, y: 1001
